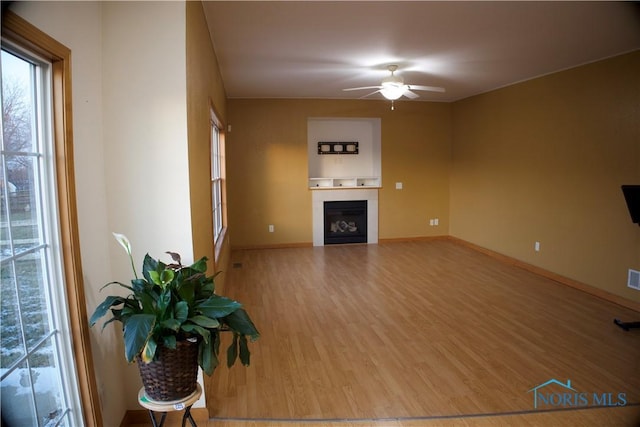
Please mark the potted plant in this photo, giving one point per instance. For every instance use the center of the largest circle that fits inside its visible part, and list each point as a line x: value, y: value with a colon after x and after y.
x: 174, y: 312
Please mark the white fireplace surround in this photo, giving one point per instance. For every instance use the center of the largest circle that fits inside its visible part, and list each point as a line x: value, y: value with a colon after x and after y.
x: 321, y: 196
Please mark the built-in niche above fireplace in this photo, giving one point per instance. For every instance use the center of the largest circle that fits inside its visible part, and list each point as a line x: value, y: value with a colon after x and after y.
x: 344, y: 153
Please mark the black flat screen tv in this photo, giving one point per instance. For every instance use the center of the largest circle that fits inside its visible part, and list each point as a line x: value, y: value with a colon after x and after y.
x: 632, y: 196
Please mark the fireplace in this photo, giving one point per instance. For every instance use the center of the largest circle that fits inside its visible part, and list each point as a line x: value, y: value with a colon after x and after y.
x: 318, y: 197
x: 345, y: 221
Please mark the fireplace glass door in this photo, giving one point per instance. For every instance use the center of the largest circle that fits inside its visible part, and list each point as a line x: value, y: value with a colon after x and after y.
x: 345, y: 221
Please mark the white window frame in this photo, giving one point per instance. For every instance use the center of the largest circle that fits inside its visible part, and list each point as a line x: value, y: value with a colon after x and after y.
x: 217, y: 181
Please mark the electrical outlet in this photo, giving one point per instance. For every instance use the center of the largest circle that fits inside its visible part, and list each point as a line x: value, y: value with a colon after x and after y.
x: 436, y: 221
x: 398, y: 186
x: 432, y: 222
x: 271, y: 228
x: 536, y: 246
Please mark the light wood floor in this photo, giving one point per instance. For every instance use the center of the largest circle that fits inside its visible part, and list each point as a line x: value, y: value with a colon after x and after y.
x: 594, y: 417
x: 417, y: 334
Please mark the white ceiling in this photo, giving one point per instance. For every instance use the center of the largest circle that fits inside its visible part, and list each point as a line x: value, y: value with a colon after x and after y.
x: 314, y: 49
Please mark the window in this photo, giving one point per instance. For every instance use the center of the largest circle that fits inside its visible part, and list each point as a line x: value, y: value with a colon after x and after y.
x: 46, y: 375
x: 37, y: 385
x: 217, y: 180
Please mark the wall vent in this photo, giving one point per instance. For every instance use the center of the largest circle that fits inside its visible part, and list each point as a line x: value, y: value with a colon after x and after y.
x: 634, y: 279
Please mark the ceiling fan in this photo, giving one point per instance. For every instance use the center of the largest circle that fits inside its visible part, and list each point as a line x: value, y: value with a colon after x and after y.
x: 393, y: 87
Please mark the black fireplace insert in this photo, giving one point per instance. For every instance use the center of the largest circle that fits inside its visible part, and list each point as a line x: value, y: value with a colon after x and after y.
x: 345, y: 221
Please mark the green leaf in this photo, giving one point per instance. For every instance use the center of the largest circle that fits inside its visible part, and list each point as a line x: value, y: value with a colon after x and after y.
x: 232, y: 351
x: 117, y: 283
x: 245, y: 354
x: 217, y: 306
x: 172, y: 324
x: 164, y: 301
x: 149, y: 264
x: 167, y: 276
x: 187, y: 293
x: 215, y: 334
x: 104, y: 307
x: 200, y: 265
x: 149, y: 350
x: 113, y: 319
x: 155, y: 277
x: 140, y: 286
x: 192, y: 328
x: 161, y: 276
x: 239, y: 321
x: 189, y: 276
x: 181, y: 311
x: 205, y: 322
x: 129, y: 311
x: 169, y: 341
x: 147, y: 299
x: 207, y: 358
x: 209, y: 286
x: 205, y: 289
x: 137, y: 329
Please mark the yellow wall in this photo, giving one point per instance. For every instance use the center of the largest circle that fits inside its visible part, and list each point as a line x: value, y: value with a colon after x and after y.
x: 204, y: 89
x: 268, y: 168
x: 543, y: 161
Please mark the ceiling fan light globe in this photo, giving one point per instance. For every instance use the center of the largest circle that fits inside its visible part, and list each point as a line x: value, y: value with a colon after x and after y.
x: 392, y: 91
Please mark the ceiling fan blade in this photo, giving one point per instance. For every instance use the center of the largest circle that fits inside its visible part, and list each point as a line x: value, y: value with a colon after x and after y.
x: 369, y: 94
x: 361, y: 88
x: 429, y: 88
x: 410, y: 94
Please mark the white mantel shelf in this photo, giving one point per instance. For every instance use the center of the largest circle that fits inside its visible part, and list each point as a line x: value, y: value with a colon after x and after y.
x: 344, y: 183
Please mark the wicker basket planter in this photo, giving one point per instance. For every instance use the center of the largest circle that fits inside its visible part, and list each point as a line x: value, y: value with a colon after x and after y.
x: 173, y: 374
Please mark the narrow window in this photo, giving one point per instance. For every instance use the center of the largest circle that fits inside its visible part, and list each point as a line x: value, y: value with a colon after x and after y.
x: 39, y: 385
x: 217, y: 180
